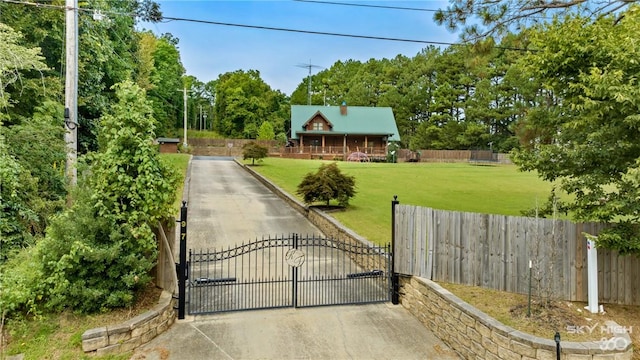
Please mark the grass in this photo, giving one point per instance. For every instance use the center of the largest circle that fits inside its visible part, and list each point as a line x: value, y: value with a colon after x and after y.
x: 59, y: 336
x: 500, y: 189
x: 197, y: 134
x: 459, y: 187
x: 180, y: 162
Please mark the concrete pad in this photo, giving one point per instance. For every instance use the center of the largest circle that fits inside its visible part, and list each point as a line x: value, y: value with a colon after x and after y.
x: 376, y: 331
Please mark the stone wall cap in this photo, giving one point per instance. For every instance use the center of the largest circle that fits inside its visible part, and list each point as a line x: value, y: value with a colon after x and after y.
x: 142, y: 318
x: 94, y: 333
x: 118, y: 328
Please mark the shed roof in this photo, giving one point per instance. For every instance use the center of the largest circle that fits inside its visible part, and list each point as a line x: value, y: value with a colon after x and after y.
x: 164, y: 140
x: 359, y: 120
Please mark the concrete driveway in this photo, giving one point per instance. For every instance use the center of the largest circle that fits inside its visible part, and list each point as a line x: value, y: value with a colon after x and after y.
x: 227, y: 206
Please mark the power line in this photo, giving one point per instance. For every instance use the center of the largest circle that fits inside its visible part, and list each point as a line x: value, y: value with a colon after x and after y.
x: 370, y: 37
x: 475, y: 12
x: 311, y: 32
x: 35, y: 4
x: 368, y: 5
x: 445, y: 11
x: 209, y: 22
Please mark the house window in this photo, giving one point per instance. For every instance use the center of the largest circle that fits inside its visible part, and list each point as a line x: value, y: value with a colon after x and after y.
x: 317, y: 125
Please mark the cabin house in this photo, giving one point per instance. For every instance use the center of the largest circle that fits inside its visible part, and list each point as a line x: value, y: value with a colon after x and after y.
x: 342, y: 132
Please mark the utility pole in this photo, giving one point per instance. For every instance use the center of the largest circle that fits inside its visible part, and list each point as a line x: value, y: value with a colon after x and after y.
x: 184, y: 141
x: 71, y: 91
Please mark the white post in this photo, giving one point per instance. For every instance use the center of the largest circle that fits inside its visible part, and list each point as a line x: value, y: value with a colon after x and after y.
x: 592, y: 274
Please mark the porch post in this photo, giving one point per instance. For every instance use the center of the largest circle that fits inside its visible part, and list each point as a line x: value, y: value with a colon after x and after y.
x: 344, y: 146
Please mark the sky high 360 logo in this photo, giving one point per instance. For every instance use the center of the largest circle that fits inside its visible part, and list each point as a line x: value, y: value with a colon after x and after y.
x: 614, y: 342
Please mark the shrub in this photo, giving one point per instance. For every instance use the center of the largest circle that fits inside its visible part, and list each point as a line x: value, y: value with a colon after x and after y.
x: 20, y: 284
x: 253, y: 151
x: 326, y: 184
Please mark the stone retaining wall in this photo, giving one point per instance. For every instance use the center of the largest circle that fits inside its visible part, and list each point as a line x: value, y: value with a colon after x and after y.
x: 475, y: 335
x: 120, y: 338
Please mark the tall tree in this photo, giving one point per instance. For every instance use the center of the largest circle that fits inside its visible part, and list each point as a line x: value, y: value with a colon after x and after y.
x: 15, y: 213
x: 15, y: 60
x: 588, y: 138
x: 166, y: 80
x: 107, y: 49
x: 243, y: 102
x: 21, y: 208
x: 41, y: 29
x: 488, y: 18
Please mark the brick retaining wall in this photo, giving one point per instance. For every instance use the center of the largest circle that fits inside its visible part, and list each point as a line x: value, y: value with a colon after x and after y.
x: 120, y: 338
x: 475, y: 335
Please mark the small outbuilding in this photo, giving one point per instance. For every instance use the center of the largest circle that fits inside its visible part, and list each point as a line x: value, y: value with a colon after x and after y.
x: 168, y: 145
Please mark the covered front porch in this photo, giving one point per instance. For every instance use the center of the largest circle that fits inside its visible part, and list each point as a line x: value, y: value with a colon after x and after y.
x: 339, y: 147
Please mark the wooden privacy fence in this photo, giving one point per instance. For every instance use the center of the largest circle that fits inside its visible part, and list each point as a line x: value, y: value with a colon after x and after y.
x: 494, y: 251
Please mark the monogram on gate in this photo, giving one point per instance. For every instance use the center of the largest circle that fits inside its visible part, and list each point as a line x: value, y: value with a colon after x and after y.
x: 295, y: 257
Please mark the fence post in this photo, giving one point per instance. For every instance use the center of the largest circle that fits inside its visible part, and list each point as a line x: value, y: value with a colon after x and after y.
x: 395, y: 281
x: 182, y: 271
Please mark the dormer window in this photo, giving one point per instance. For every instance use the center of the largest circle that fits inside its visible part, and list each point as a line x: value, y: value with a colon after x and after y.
x: 317, y: 126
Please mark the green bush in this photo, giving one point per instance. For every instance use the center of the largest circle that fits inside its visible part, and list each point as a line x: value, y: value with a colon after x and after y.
x: 20, y: 284
x: 253, y: 151
x: 326, y: 184
x: 32, y: 185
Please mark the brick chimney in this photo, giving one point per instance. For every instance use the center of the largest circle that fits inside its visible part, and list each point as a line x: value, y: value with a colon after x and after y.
x: 343, y: 108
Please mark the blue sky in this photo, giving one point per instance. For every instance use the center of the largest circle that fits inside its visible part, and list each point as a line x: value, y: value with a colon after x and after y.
x: 210, y: 50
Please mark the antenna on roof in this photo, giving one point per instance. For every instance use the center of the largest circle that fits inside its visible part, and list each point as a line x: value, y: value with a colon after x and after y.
x: 309, y: 66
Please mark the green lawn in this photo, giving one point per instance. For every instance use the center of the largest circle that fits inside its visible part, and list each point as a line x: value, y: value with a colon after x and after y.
x: 500, y: 189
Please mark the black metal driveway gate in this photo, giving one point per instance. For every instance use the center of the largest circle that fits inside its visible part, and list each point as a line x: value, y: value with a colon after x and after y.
x: 287, y: 271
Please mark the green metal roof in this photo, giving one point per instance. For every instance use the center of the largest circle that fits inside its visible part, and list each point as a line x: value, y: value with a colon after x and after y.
x: 360, y: 120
